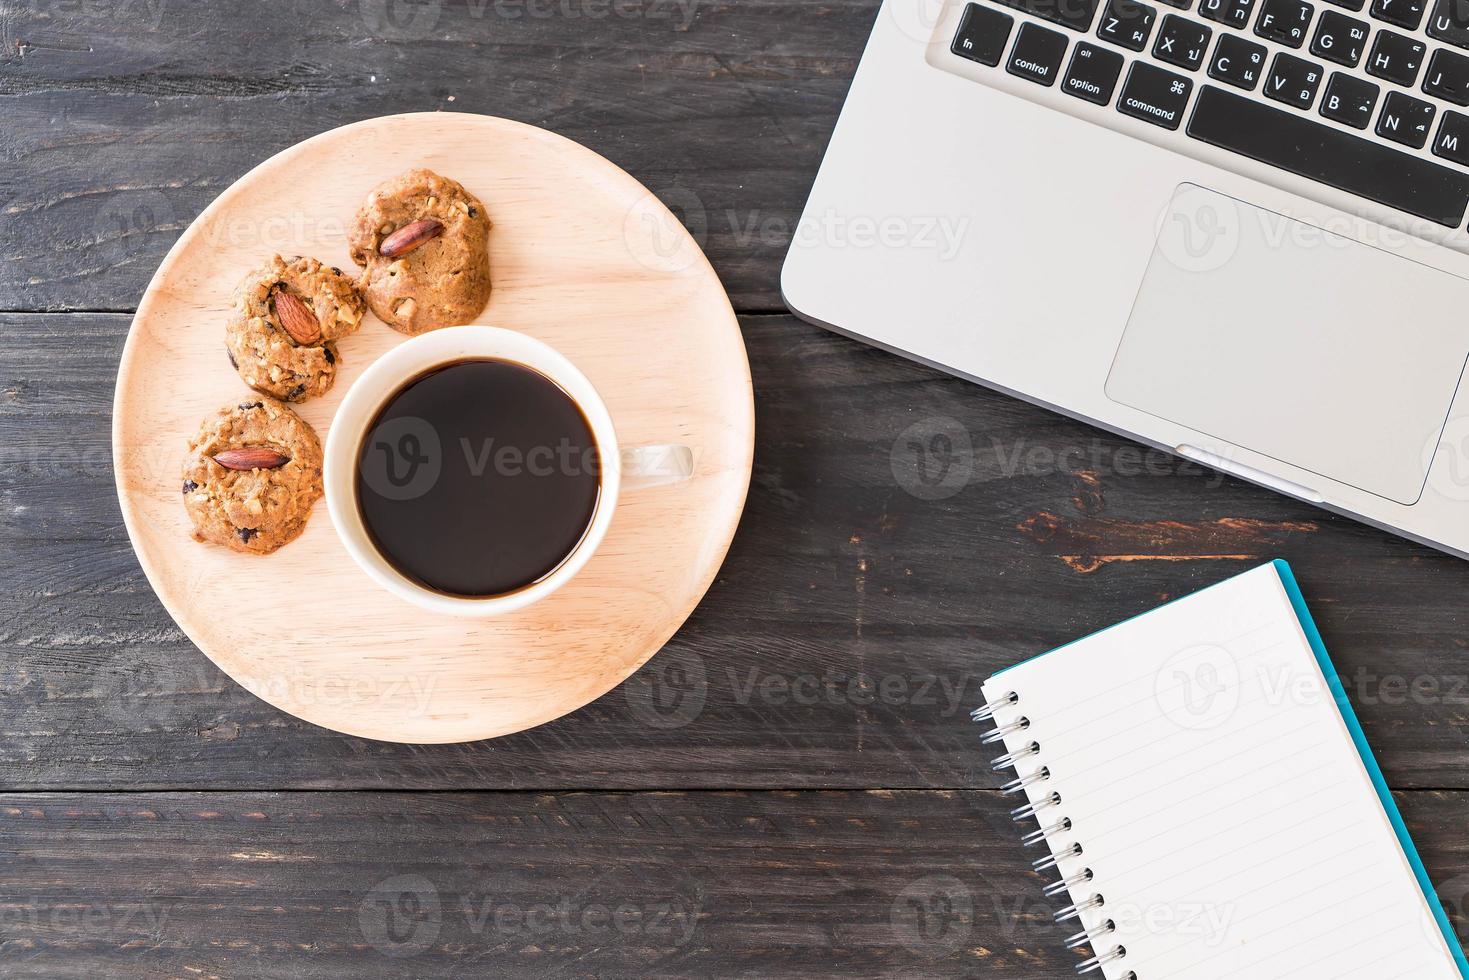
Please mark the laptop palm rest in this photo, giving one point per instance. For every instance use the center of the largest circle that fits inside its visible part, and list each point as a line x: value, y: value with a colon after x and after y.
x: 1294, y: 342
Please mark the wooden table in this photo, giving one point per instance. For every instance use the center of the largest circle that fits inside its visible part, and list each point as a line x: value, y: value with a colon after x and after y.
x: 791, y: 787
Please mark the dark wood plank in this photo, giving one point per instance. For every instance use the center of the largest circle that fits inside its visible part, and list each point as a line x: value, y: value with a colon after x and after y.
x: 846, y: 636
x: 817, y: 884
x: 124, y: 119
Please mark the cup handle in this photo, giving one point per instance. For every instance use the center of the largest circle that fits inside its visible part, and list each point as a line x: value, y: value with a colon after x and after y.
x: 655, y: 466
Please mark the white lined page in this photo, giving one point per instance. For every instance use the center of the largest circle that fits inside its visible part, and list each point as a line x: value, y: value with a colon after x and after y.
x: 1219, y: 799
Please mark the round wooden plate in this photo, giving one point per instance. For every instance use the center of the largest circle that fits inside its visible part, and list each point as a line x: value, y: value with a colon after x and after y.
x: 582, y: 257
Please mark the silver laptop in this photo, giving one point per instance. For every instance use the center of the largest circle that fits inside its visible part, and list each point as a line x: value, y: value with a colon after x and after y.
x: 1232, y: 229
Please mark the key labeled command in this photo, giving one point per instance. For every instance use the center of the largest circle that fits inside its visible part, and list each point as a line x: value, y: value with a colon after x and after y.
x: 1155, y: 95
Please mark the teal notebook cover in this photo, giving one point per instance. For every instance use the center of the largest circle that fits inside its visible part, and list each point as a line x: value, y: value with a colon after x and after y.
x: 1354, y: 727
x: 1389, y: 806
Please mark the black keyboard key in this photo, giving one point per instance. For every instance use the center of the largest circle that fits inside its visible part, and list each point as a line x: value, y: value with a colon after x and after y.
x: 1449, y: 22
x: 1127, y: 22
x: 1448, y: 76
x: 1452, y: 141
x: 1037, y: 54
x: 1297, y: 143
x: 1293, y: 81
x: 1238, y: 61
x: 1405, y: 120
x: 1154, y: 94
x: 1349, y: 100
x: 1180, y: 4
x: 1075, y: 14
x: 1340, y: 38
x: 1284, y: 21
x: 1404, y: 13
x: 1351, y: 4
x: 1182, y: 42
x: 1092, y: 74
x: 1234, y: 13
x: 1395, y: 57
x: 982, y: 35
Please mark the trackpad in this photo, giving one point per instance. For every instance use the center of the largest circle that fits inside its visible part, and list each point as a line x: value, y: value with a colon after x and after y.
x: 1296, y: 343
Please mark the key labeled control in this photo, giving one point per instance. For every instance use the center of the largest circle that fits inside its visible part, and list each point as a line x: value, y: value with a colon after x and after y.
x: 1154, y: 94
x: 1349, y: 100
x: 1238, y: 61
x: 1037, y: 54
x: 1092, y: 74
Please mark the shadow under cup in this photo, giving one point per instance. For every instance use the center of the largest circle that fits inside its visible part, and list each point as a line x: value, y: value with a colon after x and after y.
x: 478, y: 478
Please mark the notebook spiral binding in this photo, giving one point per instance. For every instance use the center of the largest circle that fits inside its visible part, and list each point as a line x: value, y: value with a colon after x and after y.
x: 1045, y: 809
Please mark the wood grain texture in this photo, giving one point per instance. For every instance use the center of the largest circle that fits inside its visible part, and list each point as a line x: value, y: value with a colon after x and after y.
x: 584, y: 260
x: 903, y: 529
x: 857, y: 884
x: 126, y: 117
x: 843, y: 640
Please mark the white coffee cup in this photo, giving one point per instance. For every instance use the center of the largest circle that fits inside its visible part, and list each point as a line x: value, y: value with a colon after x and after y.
x: 621, y: 468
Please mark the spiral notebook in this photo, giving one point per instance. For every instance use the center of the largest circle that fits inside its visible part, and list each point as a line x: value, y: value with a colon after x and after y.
x: 1204, y: 803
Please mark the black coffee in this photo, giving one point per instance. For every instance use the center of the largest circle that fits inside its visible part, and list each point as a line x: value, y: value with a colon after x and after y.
x: 478, y: 478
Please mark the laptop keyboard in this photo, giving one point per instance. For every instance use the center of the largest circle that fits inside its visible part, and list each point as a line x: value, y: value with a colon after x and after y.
x: 1349, y: 97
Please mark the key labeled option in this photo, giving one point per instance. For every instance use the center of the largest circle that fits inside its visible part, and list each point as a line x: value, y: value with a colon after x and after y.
x: 982, y: 35
x: 1092, y: 74
x: 1340, y: 38
x: 1037, y: 54
x: 1285, y: 21
x: 1405, y: 120
x: 1182, y: 42
x: 1238, y: 61
x: 1293, y: 81
x: 1155, y: 95
x: 1349, y: 100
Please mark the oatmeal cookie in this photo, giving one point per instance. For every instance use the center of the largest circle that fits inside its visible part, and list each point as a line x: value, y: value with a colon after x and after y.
x: 285, y: 319
x: 422, y: 241
x: 251, y: 475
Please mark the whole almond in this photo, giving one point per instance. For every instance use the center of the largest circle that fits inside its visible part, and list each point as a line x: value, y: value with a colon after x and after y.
x: 250, y: 458
x: 296, y: 317
x: 409, y: 237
